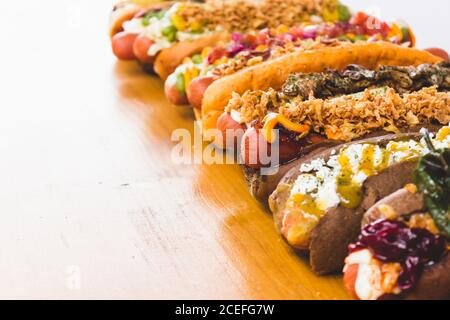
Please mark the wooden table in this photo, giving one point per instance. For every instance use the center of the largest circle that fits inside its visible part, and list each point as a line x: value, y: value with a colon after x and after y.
x: 92, y: 205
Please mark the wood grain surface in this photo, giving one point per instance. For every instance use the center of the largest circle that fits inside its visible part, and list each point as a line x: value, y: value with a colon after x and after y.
x: 91, y: 204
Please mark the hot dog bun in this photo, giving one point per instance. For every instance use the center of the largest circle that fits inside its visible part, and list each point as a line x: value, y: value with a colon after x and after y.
x: 434, y: 284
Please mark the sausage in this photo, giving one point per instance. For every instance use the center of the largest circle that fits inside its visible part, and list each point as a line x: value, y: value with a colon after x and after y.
x: 172, y: 93
x: 122, y: 45
x: 232, y: 129
x: 438, y: 52
x: 140, y: 49
x: 255, y: 147
x: 197, y: 88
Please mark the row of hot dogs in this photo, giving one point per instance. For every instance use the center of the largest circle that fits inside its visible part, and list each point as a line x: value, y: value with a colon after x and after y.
x: 341, y: 124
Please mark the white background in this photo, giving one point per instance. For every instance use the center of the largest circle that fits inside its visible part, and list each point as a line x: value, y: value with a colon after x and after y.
x: 430, y: 19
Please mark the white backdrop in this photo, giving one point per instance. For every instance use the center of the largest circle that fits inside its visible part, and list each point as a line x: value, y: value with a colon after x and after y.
x: 430, y: 19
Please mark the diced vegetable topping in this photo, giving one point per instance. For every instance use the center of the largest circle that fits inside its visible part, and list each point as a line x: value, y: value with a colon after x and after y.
x: 344, y: 13
x: 159, y: 14
x: 180, y: 85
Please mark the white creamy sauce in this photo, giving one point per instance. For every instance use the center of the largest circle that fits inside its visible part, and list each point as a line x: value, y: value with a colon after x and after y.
x: 154, y: 30
x: 172, y: 79
x: 319, y: 179
x: 305, y: 184
x: 367, y: 282
x: 134, y: 26
x: 368, y: 279
x: 327, y: 196
x: 236, y: 116
x: 188, y: 36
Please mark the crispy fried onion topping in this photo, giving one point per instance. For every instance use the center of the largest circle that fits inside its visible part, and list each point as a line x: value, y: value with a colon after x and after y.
x: 352, y: 116
x: 242, y: 16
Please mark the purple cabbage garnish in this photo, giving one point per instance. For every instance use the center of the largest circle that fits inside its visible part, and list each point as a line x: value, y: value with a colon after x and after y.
x: 394, y: 241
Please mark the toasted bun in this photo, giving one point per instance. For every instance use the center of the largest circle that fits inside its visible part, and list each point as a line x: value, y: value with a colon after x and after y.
x: 434, y: 283
x: 273, y: 73
x: 169, y: 59
x: 197, y: 115
x: 403, y: 202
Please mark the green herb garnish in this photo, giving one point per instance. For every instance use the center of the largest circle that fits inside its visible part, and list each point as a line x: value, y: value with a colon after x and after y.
x: 180, y: 84
x: 170, y: 33
x: 405, y: 34
x: 359, y: 95
x: 359, y: 37
x: 432, y: 177
x: 197, y: 59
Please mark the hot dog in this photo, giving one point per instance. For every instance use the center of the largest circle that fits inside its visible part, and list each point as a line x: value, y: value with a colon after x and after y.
x: 247, y: 50
x: 128, y: 44
x: 273, y: 74
x: 402, y: 250
x: 319, y: 205
x: 169, y: 33
x: 328, y: 104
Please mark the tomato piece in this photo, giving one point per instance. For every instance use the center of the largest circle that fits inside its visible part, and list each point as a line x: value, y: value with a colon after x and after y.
x: 216, y: 54
x: 360, y: 18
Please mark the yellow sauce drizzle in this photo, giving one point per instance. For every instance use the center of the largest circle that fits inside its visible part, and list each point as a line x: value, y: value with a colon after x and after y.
x: 384, y: 164
x: 307, y: 204
x: 367, y: 164
x: 443, y: 134
x: 347, y: 189
x: 412, y: 154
